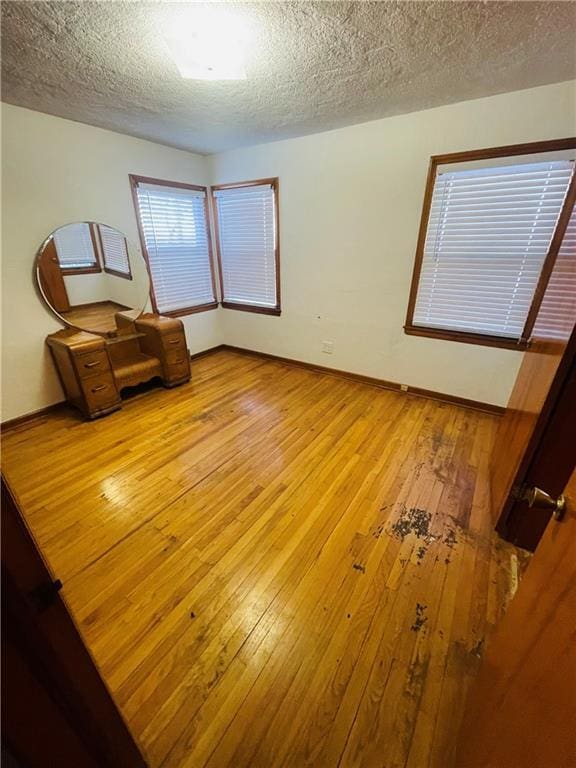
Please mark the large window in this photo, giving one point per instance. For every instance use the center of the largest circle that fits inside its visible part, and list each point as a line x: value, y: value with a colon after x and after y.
x: 489, y: 232
x: 76, y: 249
x: 175, y: 237
x: 246, y: 221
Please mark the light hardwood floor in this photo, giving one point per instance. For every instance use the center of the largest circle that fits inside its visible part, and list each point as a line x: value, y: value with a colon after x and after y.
x: 100, y: 317
x: 274, y: 567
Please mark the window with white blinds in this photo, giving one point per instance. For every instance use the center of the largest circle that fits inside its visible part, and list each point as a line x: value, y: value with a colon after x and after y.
x: 114, y: 252
x: 75, y: 248
x: 175, y: 231
x: 248, y: 245
x: 489, y: 230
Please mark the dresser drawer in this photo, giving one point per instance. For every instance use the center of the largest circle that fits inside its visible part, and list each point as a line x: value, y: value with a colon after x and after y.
x: 177, y: 357
x: 100, y: 390
x: 92, y: 364
x: 174, y: 341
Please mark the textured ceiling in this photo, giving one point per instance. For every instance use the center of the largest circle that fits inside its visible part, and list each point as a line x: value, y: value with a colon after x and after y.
x: 312, y: 66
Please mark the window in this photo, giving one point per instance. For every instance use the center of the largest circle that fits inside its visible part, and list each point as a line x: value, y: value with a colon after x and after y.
x: 176, y: 241
x: 114, y: 251
x: 76, y: 250
x: 246, y: 221
x: 487, y: 231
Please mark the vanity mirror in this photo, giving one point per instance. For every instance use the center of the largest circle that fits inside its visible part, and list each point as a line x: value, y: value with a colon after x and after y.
x: 87, y: 272
x: 97, y: 284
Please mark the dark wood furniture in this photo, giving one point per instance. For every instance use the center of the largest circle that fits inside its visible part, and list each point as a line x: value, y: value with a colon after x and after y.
x: 94, y: 369
x: 56, y: 709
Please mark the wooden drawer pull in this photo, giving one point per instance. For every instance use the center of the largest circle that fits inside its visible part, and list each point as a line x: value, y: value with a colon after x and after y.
x: 180, y: 360
x: 92, y: 364
x: 100, y: 387
x: 175, y: 341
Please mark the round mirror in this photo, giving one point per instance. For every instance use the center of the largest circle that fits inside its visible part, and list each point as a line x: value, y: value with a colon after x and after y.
x: 88, y: 273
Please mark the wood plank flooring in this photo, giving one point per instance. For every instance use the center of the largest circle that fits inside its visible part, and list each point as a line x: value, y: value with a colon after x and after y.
x: 274, y: 567
x: 99, y: 317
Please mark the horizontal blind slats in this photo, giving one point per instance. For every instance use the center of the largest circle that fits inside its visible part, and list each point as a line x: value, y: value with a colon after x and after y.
x: 74, y: 246
x: 247, y: 235
x: 489, y: 231
x: 555, y: 318
x: 174, y: 226
x: 114, y: 250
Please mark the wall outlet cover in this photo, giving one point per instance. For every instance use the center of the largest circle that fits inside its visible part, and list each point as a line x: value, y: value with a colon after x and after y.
x: 328, y: 347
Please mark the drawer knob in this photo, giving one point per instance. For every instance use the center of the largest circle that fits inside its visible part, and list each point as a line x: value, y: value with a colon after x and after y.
x: 92, y: 364
x: 100, y: 387
x: 174, y: 341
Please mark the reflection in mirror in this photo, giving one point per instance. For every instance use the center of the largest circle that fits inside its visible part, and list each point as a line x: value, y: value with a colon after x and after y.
x: 88, y: 273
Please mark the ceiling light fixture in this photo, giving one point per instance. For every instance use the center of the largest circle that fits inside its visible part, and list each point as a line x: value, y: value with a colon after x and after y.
x: 209, y: 45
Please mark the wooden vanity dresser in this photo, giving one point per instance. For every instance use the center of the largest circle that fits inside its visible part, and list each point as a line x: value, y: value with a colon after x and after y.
x: 94, y: 369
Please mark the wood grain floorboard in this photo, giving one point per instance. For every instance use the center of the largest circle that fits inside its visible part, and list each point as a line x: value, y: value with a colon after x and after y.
x: 272, y: 566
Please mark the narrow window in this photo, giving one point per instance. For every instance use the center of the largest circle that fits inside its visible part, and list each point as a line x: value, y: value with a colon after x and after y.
x: 114, y: 251
x: 487, y: 231
x: 76, y: 249
x: 246, y: 221
x: 175, y: 236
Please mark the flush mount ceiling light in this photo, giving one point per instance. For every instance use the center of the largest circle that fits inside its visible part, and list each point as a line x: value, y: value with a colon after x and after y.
x: 210, y: 44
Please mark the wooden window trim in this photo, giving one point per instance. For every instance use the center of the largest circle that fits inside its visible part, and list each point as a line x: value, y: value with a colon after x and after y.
x: 87, y: 270
x: 513, y: 150
x: 243, y: 307
x: 134, y: 181
x: 114, y: 272
x: 465, y: 337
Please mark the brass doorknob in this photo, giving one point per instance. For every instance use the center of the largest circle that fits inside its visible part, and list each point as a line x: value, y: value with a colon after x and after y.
x: 539, y: 499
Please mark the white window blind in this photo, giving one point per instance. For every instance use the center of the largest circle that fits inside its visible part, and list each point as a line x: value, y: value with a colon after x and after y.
x: 74, y: 247
x: 175, y: 232
x: 488, y: 235
x: 555, y: 318
x: 114, y: 251
x: 247, y: 232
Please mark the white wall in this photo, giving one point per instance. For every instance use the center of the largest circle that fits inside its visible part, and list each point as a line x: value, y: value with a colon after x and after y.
x: 350, y: 203
x: 85, y: 289
x: 55, y: 172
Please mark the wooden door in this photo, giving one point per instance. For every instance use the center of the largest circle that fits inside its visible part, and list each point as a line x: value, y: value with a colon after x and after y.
x: 51, y: 278
x: 540, y: 382
x: 550, y: 468
x: 56, y: 710
x: 522, y: 706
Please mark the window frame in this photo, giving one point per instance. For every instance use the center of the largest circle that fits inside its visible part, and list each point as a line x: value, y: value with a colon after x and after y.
x: 96, y: 268
x: 242, y: 307
x: 512, y: 150
x: 113, y: 272
x: 134, y: 181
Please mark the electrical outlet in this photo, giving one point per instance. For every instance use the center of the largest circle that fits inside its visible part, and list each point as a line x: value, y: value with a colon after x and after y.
x: 404, y: 387
x: 328, y: 347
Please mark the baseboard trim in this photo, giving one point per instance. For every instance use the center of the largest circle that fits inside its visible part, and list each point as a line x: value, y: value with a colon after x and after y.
x: 374, y: 382
x: 10, y: 424
x: 393, y: 386
x: 208, y: 351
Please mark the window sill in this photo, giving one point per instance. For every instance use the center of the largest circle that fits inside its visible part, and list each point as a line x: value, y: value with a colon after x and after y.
x: 81, y: 271
x: 252, y: 308
x: 466, y: 338
x: 115, y: 273
x: 189, y: 310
